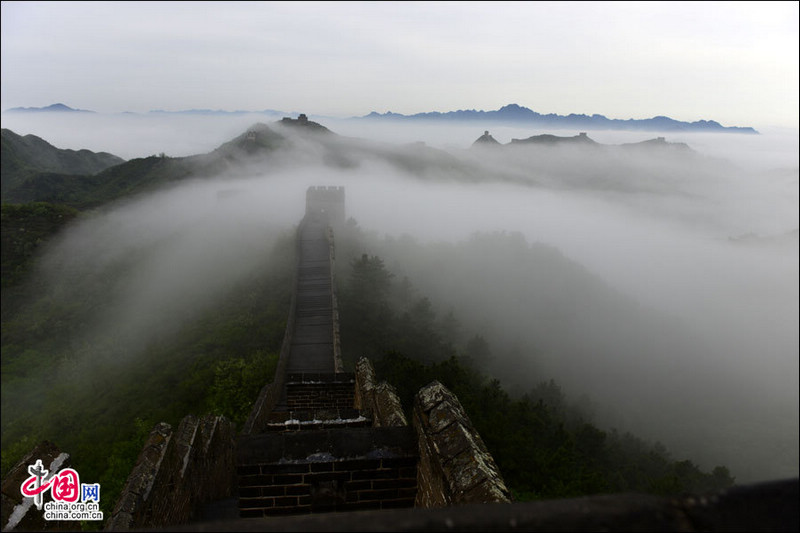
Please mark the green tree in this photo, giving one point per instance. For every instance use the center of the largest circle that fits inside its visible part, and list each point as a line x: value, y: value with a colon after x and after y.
x: 477, y: 351
x: 237, y: 383
x: 365, y: 313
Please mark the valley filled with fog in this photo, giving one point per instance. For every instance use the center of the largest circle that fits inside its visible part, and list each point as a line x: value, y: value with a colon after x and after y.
x: 661, y: 282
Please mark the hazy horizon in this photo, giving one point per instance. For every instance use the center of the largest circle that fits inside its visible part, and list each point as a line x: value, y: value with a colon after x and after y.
x: 733, y: 62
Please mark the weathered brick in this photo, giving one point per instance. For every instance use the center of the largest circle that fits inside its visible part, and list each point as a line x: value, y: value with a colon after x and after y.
x: 285, y: 468
x: 286, y: 501
x: 373, y: 474
x: 322, y: 467
x: 358, y: 485
x: 357, y: 464
x: 256, y: 503
x: 326, y: 476
x: 273, y: 490
x: 287, y: 479
x: 297, y: 490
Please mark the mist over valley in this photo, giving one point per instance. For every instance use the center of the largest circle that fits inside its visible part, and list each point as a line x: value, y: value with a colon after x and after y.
x: 658, y: 280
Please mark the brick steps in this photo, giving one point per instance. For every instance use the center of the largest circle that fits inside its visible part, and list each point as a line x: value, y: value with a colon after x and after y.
x: 327, y: 470
x: 317, y: 453
x: 312, y: 419
x: 320, y: 390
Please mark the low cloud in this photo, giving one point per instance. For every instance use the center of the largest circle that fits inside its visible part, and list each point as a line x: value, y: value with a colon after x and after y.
x: 663, y: 285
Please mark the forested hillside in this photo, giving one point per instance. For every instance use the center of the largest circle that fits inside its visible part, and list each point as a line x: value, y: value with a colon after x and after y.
x: 99, y: 402
x: 546, y: 445
x: 34, y: 171
x: 23, y: 157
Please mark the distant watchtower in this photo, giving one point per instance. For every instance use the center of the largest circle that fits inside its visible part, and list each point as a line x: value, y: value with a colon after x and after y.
x: 328, y: 202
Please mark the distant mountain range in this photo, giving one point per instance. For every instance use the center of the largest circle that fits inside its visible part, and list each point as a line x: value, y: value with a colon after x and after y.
x: 54, y: 108
x: 510, y: 114
x: 518, y: 115
x: 58, y: 108
x: 35, y: 171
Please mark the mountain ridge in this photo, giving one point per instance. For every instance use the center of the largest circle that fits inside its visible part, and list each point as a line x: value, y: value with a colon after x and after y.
x: 40, y: 177
x: 25, y: 156
x: 510, y: 113
x: 516, y: 114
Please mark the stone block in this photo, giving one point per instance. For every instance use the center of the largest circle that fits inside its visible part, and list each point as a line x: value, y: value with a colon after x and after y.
x: 455, y: 465
x: 387, y: 403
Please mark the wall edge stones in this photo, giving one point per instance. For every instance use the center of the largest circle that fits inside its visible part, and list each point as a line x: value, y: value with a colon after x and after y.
x: 176, y: 473
x: 455, y: 466
x: 378, y: 401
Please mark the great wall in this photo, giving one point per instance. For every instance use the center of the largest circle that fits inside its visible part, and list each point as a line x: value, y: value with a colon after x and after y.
x: 329, y: 450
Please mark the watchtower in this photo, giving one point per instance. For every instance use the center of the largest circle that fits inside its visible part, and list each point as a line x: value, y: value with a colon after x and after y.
x: 326, y: 201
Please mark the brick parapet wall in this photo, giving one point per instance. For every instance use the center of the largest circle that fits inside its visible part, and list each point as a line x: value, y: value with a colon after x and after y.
x: 309, y: 396
x: 455, y: 467
x: 330, y: 200
x: 338, y: 364
x: 176, y: 473
x: 137, y: 488
x: 324, y: 486
x: 326, y: 470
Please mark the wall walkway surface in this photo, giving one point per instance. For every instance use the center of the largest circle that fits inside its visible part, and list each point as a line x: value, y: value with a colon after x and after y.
x: 315, y: 451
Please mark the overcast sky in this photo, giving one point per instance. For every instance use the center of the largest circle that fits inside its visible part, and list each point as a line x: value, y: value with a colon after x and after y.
x: 734, y: 62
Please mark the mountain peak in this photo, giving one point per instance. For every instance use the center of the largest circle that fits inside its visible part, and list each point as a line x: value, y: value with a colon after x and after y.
x: 486, y: 140
x: 53, y: 108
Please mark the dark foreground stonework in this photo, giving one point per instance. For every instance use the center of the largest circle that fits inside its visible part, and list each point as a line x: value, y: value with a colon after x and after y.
x: 763, y: 507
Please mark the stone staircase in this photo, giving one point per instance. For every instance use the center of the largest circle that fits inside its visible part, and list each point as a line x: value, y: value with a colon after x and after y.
x: 316, y: 451
x: 319, y: 453
x: 324, y: 470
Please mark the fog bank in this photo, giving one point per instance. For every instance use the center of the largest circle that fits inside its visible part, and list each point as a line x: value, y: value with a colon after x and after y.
x: 663, y: 285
